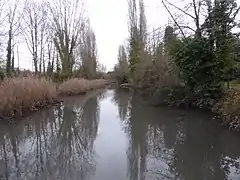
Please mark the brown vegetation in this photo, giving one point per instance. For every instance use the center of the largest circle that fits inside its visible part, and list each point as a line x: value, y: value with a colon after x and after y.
x: 20, y: 95
x: 80, y: 86
x: 228, y: 109
x: 25, y: 94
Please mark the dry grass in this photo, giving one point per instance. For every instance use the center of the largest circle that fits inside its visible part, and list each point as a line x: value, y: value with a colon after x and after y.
x: 25, y: 94
x: 19, y: 95
x: 80, y: 86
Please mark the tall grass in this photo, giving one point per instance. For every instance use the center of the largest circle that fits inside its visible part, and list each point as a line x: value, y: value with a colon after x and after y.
x: 80, y: 86
x: 20, y: 94
x: 24, y: 94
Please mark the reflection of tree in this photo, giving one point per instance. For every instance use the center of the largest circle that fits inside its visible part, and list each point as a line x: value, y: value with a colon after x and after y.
x: 56, y: 143
x: 167, y: 143
x: 137, y: 151
x: 200, y: 154
x: 121, y: 99
x: 90, y: 117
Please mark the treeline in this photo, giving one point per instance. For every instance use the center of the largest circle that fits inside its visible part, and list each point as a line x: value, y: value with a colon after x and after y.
x: 57, y: 33
x: 203, y: 60
x: 188, y: 64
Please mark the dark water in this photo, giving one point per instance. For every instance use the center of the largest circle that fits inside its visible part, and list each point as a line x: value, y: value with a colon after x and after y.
x: 113, y: 136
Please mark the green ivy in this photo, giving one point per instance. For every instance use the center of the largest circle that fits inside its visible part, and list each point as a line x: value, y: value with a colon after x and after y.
x: 199, y: 69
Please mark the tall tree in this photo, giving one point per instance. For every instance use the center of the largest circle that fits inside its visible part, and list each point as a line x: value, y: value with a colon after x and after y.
x: 33, y: 29
x: 13, y: 19
x: 138, y: 34
x: 88, y: 52
x: 68, y: 22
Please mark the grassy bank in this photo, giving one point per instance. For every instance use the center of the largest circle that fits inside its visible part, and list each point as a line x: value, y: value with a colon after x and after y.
x: 20, y: 96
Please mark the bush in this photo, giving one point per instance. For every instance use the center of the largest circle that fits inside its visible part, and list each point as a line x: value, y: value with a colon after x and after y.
x: 154, y: 75
x: 228, y: 109
x: 79, y: 86
x: 200, y: 69
x: 179, y: 96
x: 20, y: 95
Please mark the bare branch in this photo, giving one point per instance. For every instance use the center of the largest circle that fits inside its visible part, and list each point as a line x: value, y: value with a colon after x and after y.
x: 180, y: 9
x: 174, y: 19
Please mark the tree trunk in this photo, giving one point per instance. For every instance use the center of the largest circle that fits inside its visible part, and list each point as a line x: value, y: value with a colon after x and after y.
x: 9, y: 52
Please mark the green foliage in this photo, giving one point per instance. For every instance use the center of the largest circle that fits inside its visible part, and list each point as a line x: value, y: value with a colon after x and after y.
x: 133, y: 54
x: 198, y: 66
x: 121, y: 69
x: 169, y: 39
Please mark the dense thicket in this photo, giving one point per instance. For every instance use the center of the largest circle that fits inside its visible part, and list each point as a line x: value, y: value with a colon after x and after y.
x: 202, y: 60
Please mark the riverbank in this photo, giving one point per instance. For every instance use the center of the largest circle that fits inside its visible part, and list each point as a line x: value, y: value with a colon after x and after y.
x: 225, y: 108
x: 20, y: 96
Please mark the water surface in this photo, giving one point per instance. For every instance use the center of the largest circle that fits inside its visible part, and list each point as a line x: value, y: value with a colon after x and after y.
x: 112, y: 135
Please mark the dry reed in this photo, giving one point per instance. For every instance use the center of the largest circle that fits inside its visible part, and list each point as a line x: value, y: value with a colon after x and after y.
x: 25, y: 94
x: 80, y: 86
x: 20, y: 95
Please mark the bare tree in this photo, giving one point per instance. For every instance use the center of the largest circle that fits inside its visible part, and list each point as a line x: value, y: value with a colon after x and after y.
x: 34, y: 29
x: 68, y: 22
x: 122, y: 66
x: 51, y: 55
x: 88, y: 51
x: 196, y: 12
x: 13, y: 16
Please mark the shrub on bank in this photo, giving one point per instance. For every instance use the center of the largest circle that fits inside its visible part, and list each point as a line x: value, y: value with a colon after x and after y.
x: 20, y: 95
x: 80, y: 86
x: 228, y: 109
x: 179, y: 96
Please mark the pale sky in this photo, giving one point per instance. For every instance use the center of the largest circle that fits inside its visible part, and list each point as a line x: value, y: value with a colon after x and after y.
x: 109, y: 20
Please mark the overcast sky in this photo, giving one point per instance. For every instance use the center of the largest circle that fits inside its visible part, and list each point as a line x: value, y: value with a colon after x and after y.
x: 110, y: 23
x: 109, y: 19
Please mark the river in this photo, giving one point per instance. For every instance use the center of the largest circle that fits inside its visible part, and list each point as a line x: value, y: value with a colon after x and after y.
x: 113, y: 135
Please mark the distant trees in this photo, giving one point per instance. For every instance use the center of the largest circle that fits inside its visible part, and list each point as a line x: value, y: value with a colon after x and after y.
x: 121, y: 68
x: 199, y: 52
x: 67, y: 24
x: 56, y: 33
x: 34, y: 30
x: 147, y: 64
x: 88, y: 53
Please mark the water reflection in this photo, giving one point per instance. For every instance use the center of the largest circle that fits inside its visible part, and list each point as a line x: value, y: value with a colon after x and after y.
x: 174, y: 144
x: 56, y: 143
x: 121, y: 99
x: 75, y: 140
